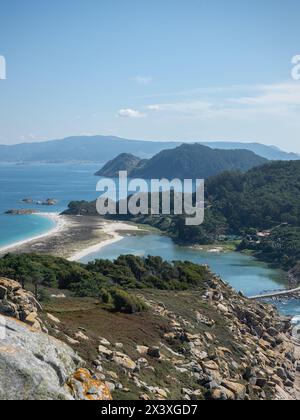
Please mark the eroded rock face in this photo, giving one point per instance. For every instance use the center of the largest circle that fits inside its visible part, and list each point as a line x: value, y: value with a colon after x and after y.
x: 17, y: 303
x: 35, y: 366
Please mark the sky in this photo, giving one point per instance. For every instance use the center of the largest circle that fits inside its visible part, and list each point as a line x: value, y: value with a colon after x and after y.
x: 186, y: 70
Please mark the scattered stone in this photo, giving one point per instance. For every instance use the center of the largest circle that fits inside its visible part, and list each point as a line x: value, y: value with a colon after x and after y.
x: 53, y: 318
x: 123, y: 360
x: 209, y: 336
x: 71, y: 340
x: 142, y: 362
x: 161, y: 393
x: 106, y: 352
x: 281, y: 373
x: 142, y: 350
x: 81, y: 336
x: 119, y: 345
x: 154, y: 352
x: 111, y: 386
x: 144, y: 397
x: 104, y: 342
x: 113, y: 375
x: 239, y: 390
x: 211, y: 365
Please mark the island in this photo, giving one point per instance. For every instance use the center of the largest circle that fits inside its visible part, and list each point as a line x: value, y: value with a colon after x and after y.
x: 20, y: 212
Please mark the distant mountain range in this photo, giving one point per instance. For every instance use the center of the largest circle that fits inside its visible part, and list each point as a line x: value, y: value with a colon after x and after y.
x: 188, y: 161
x: 101, y: 149
x: 268, y: 152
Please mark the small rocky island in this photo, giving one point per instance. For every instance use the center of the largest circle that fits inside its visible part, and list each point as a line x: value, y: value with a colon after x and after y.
x: 47, y: 202
x: 21, y: 212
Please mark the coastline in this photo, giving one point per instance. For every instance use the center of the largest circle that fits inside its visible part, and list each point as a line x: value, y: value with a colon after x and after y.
x: 111, y: 229
x: 59, y: 225
x: 73, y: 237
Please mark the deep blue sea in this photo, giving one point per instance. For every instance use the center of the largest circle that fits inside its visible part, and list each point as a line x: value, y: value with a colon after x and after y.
x: 67, y: 182
x: 64, y: 183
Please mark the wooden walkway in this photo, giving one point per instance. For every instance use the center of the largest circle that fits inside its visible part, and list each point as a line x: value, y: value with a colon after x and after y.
x: 281, y: 293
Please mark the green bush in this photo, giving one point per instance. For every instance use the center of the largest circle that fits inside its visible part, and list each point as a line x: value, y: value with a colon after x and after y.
x: 125, y: 302
x: 106, y: 297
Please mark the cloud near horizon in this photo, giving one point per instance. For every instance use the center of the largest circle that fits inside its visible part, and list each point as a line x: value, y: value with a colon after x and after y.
x: 130, y: 113
x: 244, y: 102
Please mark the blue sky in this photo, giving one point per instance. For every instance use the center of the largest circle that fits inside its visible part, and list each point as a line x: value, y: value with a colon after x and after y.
x: 159, y: 70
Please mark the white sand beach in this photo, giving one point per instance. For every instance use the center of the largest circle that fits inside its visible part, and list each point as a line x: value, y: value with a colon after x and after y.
x: 112, y: 229
x: 73, y: 237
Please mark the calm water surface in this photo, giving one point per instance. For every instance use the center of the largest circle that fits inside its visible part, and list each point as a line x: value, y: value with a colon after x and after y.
x: 242, y: 272
x: 69, y: 182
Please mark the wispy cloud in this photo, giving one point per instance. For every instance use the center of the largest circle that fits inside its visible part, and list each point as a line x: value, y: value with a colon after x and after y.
x: 143, y: 80
x: 247, y: 102
x: 182, y: 107
x: 280, y: 94
x: 130, y: 113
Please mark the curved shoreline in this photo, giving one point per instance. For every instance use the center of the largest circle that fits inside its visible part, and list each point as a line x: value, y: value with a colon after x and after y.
x: 73, y: 238
x: 59, y: 225
x: 110, y: 228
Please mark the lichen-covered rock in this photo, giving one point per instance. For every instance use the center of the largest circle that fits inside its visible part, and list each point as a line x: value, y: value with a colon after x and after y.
x: 35, y: 366
x: 84, y: 387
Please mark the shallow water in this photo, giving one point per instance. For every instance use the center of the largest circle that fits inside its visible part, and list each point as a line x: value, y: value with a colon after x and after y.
x: 38, y: 181
x: 242, y: 272
x: 69, y: 182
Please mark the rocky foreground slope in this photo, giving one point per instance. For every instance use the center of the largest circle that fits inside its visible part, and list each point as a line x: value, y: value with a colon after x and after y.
x: 34, y: 365
x: 191, y: 345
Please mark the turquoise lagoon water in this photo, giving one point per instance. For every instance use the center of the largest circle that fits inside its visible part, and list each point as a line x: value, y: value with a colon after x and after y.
x: 69, y: 182
x: 242, y: 272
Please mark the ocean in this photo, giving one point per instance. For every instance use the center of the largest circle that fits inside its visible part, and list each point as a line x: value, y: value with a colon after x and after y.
x: 63, y: 182
x: 67, y: 182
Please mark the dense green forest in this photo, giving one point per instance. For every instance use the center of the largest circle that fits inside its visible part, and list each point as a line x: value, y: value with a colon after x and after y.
x: 110, y: 281
x: 240, y: 205
x: 280, y: 249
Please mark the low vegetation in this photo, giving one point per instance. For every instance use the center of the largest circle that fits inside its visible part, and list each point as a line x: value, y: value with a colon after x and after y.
x: 103, y: 279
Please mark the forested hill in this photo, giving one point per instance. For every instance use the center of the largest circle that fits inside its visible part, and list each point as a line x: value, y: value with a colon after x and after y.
x: 265, y: 198
x: 261, y: 198
x: 123, y: 162
x: 188, y: 161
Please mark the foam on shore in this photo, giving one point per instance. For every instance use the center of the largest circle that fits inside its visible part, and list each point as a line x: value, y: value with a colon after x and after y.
x: 58, y: 227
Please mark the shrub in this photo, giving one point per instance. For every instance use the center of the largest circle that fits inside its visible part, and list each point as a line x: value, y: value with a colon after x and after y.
x: 106, y: 296
x: 125, y: 302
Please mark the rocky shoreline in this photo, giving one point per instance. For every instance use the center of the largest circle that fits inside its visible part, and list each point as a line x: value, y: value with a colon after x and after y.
x: 219, y: 347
